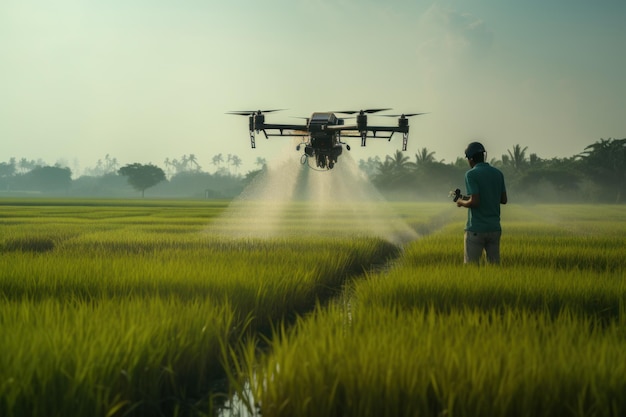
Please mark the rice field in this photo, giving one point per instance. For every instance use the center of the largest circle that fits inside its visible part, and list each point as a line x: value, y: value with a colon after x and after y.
x: 161, y: 308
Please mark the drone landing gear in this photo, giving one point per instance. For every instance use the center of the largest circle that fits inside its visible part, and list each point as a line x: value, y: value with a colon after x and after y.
x: 252, y: 140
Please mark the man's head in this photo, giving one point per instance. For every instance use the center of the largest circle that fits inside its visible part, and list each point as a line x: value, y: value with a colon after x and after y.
x: 475, y: 152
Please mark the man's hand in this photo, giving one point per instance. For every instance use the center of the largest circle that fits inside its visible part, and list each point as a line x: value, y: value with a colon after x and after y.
x: 470, y: 201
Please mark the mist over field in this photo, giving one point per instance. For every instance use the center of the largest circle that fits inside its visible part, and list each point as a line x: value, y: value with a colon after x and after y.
x: 288, y: 199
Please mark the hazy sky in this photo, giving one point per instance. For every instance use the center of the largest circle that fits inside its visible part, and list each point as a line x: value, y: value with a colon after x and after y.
x: 145, y: 80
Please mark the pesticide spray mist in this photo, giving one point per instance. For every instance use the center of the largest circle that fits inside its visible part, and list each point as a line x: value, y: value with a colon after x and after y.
x: 290, y: 198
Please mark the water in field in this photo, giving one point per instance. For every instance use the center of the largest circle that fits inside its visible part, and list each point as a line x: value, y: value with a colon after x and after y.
x: 290, y: 198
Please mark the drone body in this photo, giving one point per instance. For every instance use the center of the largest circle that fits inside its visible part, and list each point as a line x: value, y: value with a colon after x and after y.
x: 323, y: 131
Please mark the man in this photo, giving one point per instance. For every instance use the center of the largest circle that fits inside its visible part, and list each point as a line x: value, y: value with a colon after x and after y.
x: 485, y: 192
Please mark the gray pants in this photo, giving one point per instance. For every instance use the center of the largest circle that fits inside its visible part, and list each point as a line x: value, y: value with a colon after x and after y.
x: 476, y: 242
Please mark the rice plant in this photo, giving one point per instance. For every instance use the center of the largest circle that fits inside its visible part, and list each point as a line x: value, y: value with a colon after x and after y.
x: 540, y: 335
x: 131, y: 309
x: 116, y: 308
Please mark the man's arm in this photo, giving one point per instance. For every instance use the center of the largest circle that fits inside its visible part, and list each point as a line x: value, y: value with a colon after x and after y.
x: 503, y: 198
x: 473, y: 200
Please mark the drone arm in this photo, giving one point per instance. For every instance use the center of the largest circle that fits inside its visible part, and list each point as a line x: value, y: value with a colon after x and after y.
x: 285, y: 134
x: 270, y: 129
x: 392, y: 129
x: 280, y: 127
x: 373, y: 132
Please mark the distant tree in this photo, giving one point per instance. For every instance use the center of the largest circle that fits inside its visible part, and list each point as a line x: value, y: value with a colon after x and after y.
x: 424, y: 161
x: 436, y: 179
x: 103, y: 167
x: 141, y: 177
x: 400, y: 162
x: 516, y: 158
x: 229, y: 159
x: 385, y: 169
x: 218, y: 160
x: 194, y: 161
x: 177, y: 165
x: 47, y: 179
x: 7, y: 169
x: 534, y: 160
x: 222, y: 172
x: 235, y: 161
x: 25, y: 165
x: 7, y: 172
x: 261, y: 162
x: 370, y: 167
x: 559, y: 180
x: 493, y: 161
x: 184, y: 164
x: 251, y: 175
x: 604, y: 162
x: 110, y: 164
x: 107, y: 185
x: 169, y: 166
x: 424, y: 156
x: 394, y: 171
x: 460, y: 162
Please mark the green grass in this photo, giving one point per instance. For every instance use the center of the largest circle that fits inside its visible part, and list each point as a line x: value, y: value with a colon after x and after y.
x: 134, y: 313
x: 379, y: 361
x: 123, y: 308
x: 540, y: 335
x: 147, y: 356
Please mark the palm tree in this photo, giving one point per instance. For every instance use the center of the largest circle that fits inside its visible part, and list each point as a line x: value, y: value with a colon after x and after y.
x: 168, y: 166
x: 194, y: 161
x: 385, y: 169
x: 261, y: 162
x: 399, y: 162
x: 217, y: 160
x: 604, y: 162
x: 235, y: 161
x: 184, y: 162
x: 424, y: 157
x: 517, y: 158
x: 175, y: 164
x: 395, y: 170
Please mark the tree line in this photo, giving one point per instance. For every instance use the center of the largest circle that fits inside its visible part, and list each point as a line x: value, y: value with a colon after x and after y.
x: 595, y: 175
x: 180, y: 177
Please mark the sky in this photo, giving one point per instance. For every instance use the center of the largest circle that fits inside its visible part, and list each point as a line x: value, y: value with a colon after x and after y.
x: 143, y: 80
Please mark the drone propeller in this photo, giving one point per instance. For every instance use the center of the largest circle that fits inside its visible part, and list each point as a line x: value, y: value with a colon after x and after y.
x: 402, y: 115
x: 368, y: 111
x: 251, y: 112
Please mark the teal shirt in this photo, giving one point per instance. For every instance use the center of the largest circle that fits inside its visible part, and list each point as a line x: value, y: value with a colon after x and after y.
x: 488, y: 182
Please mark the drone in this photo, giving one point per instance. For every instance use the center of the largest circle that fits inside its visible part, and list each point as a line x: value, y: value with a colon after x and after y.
x: 323, y: 131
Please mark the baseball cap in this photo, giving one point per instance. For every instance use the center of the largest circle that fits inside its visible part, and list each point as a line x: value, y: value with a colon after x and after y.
x: 474, y: 148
